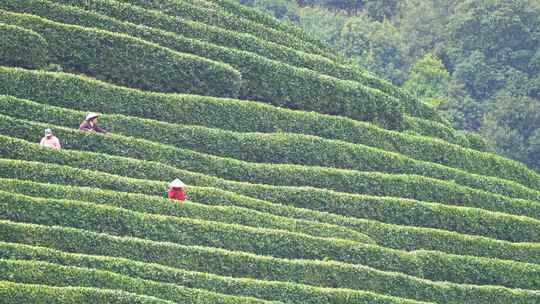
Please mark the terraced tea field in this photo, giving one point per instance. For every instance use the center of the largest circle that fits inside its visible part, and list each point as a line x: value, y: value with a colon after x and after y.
x: 309, y: 181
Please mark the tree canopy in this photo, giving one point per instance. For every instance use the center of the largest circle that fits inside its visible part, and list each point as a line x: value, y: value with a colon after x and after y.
x: 478, y: 61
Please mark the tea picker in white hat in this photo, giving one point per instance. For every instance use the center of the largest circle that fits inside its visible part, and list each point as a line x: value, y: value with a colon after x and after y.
x: 90, y: 123
x: 177, y: 190
x: 49, y: 140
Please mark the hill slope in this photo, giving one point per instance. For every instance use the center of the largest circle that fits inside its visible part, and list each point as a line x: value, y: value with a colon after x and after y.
x: 309, y: 181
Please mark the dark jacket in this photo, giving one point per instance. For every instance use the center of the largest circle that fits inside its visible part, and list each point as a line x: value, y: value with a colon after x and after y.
x: 86, y: 126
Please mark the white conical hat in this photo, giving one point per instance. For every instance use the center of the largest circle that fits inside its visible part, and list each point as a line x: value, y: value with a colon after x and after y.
x: 91, y: 115
x: 177, y: 184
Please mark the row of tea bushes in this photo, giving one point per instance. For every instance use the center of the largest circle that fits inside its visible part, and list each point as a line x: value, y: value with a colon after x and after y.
x: 84, y: 94
x: 480, y: 222
x: 16, y: 293
x: 127, y: 60
x: 266, y: 148
x: 191, y: 232
x: 312, y: 65
x: 394, y: 236
x: 268, y: 290
x: 21, y: 47
x: 267, y: 181
x: 298, y: 88
x: 197, y: 211
x: 323, y: 65
x: 234, y: 264
x: 52, y: 274
x: 222, y: 19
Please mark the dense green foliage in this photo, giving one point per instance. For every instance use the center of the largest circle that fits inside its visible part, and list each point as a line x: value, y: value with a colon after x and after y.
x: 269, y: 290
x: 513, y: 125
x: 242, y: 42
x: 117, y: 221
x: 339, y: 71
x: 218, y: 113
x: 401, y: 237
x: 428, y: 80
x: 21, y: 47
x: 298, y: 87
x: 309, y: 179
x: 126, y: 60
x: 242, y: 11
x: 228, y: 21
x: 15, y: 293
x: 272, y: 148
x: 186, y: 231
x: 490, y: 52
x: 219, y: 261
x: 232, y: 214
x: 374, y: 183
x: 58, y: 275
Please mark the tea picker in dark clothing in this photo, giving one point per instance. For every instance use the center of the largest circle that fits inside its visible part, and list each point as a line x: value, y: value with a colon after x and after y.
x: 91, y: 124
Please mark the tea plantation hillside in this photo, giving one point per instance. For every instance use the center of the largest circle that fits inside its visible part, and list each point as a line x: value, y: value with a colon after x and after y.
x: 309, y: 181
